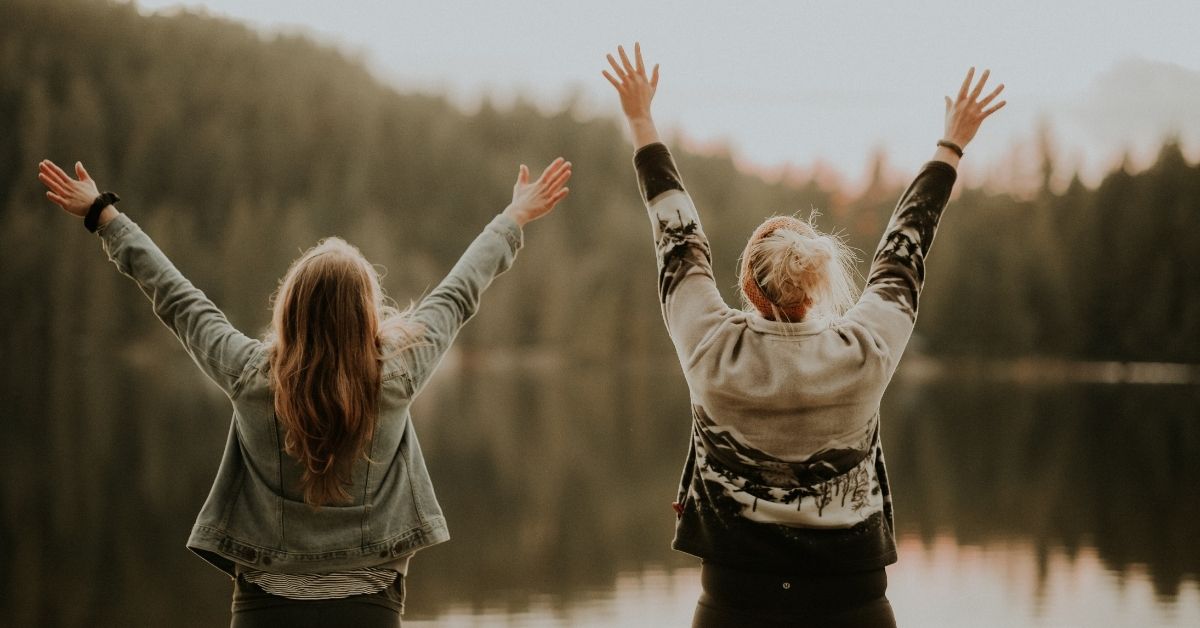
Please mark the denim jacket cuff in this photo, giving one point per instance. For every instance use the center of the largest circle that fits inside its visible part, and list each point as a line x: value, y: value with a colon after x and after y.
x: 508, y: 228
x: 115, y: 228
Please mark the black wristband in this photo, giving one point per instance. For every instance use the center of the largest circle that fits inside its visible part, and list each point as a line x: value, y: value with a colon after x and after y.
x: 952, y: 146
x: 93, y: 216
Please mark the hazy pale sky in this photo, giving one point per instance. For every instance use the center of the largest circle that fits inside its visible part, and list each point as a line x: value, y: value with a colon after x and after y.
x: 799, y: 81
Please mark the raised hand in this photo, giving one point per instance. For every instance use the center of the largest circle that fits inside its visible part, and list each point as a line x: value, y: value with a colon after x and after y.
x: 636, y: 90
x: 966, y: 112
x: 531, y: 201
x: 74, y: 196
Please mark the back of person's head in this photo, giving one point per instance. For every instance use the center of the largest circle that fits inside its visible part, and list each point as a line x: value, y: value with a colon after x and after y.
x: 790, y: 271
x: 330, y: 326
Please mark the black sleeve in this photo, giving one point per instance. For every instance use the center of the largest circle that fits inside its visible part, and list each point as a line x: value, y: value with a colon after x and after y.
x: 656, y: 171
x: 898, y: 268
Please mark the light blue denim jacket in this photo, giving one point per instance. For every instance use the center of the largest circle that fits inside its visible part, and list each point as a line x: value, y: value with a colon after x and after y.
x: 254, y: 514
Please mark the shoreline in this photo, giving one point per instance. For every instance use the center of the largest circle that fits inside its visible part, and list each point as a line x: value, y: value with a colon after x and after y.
x: 914, y: 367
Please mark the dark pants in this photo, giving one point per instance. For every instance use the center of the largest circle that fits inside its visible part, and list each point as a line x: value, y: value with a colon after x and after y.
x: 733, y: 598
x: 255, y: 608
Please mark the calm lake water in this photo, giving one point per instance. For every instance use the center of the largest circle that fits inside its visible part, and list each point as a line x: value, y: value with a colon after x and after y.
x: 1017, y: 505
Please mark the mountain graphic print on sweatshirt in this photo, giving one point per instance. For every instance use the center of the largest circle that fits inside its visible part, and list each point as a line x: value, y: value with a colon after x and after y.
x: 785, y: 471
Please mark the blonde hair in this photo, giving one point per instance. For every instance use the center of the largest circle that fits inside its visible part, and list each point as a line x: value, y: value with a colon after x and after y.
x: 331, y: 327
x: 791, y: 270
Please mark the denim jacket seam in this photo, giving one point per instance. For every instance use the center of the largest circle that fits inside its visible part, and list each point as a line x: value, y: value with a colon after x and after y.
x: 363, y: 526
x: 247, y: 369
x: 216, y: 364
x: 412, y: 490
x: 118, y: 234
x: 279, y: 472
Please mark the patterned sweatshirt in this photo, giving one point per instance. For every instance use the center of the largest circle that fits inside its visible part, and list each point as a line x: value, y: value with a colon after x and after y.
x: 785, y: 472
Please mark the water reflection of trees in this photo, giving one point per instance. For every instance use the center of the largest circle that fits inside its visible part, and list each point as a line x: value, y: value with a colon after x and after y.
x: 1114, y: 468
x: 556, y: 480
x: 546, y: 466
x: 553, y: 483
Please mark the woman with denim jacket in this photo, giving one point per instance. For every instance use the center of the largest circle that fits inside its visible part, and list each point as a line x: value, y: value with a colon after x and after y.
x: 784, y: 494
x: 322, y: 495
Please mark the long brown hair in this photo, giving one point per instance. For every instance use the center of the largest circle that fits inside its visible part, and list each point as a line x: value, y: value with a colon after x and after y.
x: 330, y: 326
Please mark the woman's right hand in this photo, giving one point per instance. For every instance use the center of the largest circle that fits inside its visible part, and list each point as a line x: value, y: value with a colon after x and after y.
x: 636, y: 90
x: 635, y: 87
x: 966, y: 112
x: 531, y: 201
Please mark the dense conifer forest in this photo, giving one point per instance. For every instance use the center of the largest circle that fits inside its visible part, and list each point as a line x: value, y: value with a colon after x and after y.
x: 236, y: 150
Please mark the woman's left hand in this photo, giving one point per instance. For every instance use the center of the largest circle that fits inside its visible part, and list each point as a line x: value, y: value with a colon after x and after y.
x: 965, y: 113
x: 531, y: 201
x: 73, y: 195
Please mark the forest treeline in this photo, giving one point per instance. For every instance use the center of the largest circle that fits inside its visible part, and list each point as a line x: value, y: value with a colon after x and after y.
x: 235, y: 150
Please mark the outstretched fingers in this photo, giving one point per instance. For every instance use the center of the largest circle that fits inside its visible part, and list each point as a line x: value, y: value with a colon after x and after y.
x: 627, y: 71
x: 979, y: 86
x: 51, y: 184
x: 625, y: 61
x: 548, y: 173
x: 55, y: 181
x: 560, y: 177
x: 616, y: 67
x: 53, y: 173
x: 993, y: 109
x: 59, y: 172
x: 966, y: 84
x: 58, y: 188
x: 992, y: 96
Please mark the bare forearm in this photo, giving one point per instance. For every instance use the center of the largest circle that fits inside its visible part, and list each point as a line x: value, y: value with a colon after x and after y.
x: 946, y: 155
x: 644, y: 132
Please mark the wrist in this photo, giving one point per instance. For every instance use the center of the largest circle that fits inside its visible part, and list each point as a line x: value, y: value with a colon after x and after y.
x: 946, y: 155
x: 107, y: 215
x: 953, y: 143
x: 644, y: 131
x: 515, y: 214
x: 102, y: 205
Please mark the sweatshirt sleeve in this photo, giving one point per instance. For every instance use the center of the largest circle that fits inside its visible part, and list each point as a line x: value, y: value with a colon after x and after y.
x: 443, y: 312
x: 888, y: 306
x: 691, y: 303
x: 219, y: 349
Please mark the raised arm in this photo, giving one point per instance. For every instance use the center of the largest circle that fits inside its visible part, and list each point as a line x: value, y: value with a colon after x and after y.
x: 220, y: 350
x: 443, y: 312
x: 691, y: 303
x: 888, y: 306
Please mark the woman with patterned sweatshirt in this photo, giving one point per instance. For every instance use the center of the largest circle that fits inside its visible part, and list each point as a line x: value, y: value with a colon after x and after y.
x: 784, y: 493
x: 322, y: 495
